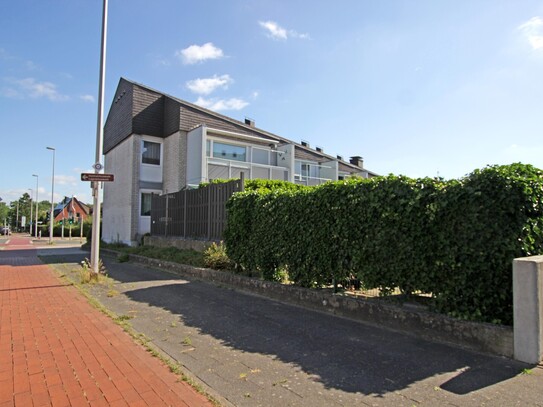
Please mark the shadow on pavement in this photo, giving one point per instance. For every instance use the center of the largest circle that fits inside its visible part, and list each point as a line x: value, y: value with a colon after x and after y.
x: 342, y: 354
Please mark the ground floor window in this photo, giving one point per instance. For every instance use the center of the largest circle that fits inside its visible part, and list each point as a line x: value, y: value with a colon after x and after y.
x: 146, y: 204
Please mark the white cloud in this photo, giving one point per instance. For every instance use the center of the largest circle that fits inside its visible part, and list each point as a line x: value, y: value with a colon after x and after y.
x: 87, y: 98
x: 30, y: 87
x: 65, y: 180
x: 221, y: 104
x: 533, y: 32
x: 255, y: 94
x: 275, y: 31
x: 205, y: 86
x: 199, y: 53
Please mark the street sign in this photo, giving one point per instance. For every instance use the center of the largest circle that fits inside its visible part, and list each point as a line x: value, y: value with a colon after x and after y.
x: 97, y: 177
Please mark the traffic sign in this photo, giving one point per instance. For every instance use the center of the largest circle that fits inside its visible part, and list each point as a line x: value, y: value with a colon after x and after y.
x: 97, y: 177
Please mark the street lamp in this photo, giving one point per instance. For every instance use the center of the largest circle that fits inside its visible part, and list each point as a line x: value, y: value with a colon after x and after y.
x: 51, y: 219
x: 95, y: 242
x: 36, y: 225
x: 31, y: 210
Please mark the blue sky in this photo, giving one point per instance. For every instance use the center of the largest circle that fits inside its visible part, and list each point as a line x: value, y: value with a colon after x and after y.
x: 415, y: 87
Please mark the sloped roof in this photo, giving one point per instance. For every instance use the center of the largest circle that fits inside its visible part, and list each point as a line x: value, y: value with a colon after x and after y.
x: 244, y: 125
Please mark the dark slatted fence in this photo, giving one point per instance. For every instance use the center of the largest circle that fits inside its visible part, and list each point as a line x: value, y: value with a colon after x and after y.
x: 193, y: 213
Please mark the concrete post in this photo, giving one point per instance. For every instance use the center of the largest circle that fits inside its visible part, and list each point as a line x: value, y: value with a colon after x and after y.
x: 528, y: 309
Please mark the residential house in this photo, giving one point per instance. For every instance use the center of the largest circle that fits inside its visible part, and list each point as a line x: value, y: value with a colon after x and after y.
x: 71, y: 208
x: 156, y: 143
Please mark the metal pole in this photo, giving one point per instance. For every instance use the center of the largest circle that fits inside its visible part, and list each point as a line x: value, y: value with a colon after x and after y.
x: 166, y: 226
x: 31, y: 211
x: 95, y: 244
x: 52, y: 218
x: 36, y: 222
x: 17, y: 218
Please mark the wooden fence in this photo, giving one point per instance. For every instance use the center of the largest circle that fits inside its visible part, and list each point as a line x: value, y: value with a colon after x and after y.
x: 193, y: 213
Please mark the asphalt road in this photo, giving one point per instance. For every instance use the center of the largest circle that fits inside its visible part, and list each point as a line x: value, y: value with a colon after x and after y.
x: 253, y: 351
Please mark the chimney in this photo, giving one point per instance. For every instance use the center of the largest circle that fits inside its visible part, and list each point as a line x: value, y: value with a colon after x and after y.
x: 357, y: 160
x: 319, y: 149
x: 305, y: 143
x: 339, y: 157
x: 249, y: 122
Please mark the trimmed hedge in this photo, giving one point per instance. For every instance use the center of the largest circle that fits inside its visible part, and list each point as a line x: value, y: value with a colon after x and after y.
x: 259, y: 184
x: 455, y: 239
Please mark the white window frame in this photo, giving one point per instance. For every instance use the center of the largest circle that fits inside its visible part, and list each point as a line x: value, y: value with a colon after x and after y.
x: 155, y: 140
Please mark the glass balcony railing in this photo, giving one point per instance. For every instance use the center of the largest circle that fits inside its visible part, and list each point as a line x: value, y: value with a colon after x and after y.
x: 219, y: 168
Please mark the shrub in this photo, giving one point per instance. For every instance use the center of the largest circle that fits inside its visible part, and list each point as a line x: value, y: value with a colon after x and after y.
x: 215, y: 257
x: 455, y: 239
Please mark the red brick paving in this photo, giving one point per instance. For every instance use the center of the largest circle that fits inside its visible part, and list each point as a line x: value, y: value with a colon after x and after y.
x: 56, y: 349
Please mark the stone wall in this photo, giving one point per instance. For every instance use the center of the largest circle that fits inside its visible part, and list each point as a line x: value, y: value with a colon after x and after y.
x: 416, y: 321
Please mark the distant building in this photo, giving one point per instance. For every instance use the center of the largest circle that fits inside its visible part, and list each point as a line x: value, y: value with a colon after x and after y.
x: 155, y: 143
x: 71, y: 208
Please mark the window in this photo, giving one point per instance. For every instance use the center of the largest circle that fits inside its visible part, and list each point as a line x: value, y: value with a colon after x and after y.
x: 229, y: 152
x: 260, y: 156
x: 305, y: 170
x: 146, y: 204
x: 150, y: 153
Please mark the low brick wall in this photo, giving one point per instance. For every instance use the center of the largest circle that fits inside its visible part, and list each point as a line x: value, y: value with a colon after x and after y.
x: 178, y: 242
x: 488, y: 338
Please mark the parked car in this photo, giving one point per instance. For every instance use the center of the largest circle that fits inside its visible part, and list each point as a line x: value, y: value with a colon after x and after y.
x: 5, y: 230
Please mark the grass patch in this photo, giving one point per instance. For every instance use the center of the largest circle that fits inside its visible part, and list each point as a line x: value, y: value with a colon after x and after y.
x: 123, y: 257
x: 189, y: 257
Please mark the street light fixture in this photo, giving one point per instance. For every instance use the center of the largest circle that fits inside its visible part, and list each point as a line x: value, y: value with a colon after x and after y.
x: 51, y: 219
x: 36, y: 223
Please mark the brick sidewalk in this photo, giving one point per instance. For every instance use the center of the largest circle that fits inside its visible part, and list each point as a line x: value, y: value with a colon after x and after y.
x: 56, y: 349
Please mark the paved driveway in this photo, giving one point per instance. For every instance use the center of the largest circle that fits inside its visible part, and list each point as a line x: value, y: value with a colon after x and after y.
x: 254, y: 351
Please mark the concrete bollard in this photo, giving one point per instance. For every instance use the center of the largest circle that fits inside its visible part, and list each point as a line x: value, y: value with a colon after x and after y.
x: 528, y: 309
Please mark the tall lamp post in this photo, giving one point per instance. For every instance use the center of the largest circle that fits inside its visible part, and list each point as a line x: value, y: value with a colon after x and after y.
x: 31, y: 210
x: 95, y: 242
x: 52, y: 219
x: 36, y: 223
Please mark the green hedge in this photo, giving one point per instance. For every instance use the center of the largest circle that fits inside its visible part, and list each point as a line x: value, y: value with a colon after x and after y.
x: 455, y: 239
x: 260, y: 184
x: 57, y: 230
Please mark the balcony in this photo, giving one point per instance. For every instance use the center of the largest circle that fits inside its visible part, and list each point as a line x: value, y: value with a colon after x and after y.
x: 310, y: 181
x: 219, y: 168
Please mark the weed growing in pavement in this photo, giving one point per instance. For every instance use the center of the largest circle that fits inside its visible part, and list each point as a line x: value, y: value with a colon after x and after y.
x: 87, y: 273
x: 112, y: 293
x: 123, y: 318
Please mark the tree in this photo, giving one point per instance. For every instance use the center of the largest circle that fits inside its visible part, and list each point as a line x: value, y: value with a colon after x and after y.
x: 20, y: 208
x: 4, y: 212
